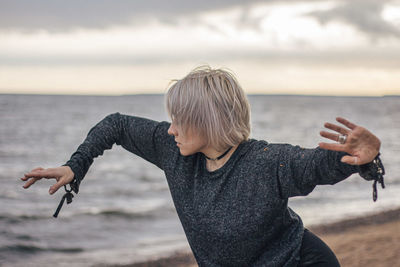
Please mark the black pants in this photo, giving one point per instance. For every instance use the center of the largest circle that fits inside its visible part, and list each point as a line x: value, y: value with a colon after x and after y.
x: 314, y: 252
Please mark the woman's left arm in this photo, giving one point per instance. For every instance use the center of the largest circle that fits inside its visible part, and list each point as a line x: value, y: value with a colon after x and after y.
x: 300, y: 170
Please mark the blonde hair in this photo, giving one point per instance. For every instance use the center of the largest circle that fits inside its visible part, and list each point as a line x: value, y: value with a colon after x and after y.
x: 211, y: 102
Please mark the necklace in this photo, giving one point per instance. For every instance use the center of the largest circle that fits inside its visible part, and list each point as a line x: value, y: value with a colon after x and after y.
x: 220, y: 157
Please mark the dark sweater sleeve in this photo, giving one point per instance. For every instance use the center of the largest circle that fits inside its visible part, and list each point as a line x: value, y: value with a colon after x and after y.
x: 300, y: 169
x: 143, y: 137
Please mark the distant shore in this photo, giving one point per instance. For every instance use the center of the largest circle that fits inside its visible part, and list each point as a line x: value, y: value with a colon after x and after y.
x: 367, y: 241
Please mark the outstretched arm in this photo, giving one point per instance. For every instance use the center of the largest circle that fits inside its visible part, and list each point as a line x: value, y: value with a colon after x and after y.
x: 300, y: 169
x: 146, y: 138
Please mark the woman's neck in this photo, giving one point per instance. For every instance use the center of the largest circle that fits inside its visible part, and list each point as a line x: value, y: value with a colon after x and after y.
x: 213, y: 165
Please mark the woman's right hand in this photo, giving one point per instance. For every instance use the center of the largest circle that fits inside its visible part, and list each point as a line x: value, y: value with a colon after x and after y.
x: 63, y: 175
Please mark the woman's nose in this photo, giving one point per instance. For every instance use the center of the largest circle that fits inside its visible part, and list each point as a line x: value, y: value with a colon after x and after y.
x: 172, y: 130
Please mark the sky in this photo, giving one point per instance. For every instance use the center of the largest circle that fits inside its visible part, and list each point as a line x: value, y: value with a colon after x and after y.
x: 114, y: 47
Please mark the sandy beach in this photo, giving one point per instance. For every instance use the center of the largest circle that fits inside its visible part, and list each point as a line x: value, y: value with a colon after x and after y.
x: 372, y: 240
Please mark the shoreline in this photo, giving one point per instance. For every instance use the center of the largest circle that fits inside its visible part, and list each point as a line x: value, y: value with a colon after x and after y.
x: 371, y: 240
x: 379, y: 218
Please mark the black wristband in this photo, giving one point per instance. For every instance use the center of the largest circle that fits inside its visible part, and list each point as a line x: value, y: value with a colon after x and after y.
x: 373, y: 171
x: 74, y: 186
x: 76, y: 181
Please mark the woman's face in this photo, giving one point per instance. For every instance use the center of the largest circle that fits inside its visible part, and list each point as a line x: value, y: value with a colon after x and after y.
x: 188, y: 143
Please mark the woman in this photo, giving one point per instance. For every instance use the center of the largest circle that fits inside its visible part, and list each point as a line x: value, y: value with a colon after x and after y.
x: 230, y: 192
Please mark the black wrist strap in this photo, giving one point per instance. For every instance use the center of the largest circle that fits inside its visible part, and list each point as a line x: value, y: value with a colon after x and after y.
x: 68, y: 196
x: 374, y: 171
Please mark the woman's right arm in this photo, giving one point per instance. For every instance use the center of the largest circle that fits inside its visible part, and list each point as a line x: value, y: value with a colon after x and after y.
x: 143, y: 137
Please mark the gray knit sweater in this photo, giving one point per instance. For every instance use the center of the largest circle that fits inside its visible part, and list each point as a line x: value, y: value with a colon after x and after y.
x: 234, y: 216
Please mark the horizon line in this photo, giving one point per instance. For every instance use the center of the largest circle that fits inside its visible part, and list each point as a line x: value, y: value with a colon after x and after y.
x: 161, y: 94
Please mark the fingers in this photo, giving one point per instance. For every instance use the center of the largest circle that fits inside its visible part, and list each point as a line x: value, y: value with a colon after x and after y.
x: 336, y: 128
x: 27, y: 175
x: 331, y: 146
x: 352, y: 160
x: 63, y: 175
x: 340, y: 129
x: 65, y: 179
x: 30, y: 182
x: 331, y: 136
x: 37, y: 174
x: 56, y: 186
x: 42, y: 173
x: 348, y: 124
x: 334, y: 147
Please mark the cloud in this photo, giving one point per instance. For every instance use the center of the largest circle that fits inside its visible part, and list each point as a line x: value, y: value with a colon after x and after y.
x: 365, y: 15
x: 60, y: 15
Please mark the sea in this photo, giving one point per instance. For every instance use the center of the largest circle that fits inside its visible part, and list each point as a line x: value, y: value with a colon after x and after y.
x: 124, y: 212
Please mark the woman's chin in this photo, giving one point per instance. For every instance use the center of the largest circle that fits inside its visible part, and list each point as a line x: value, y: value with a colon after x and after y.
x: 185, y: 152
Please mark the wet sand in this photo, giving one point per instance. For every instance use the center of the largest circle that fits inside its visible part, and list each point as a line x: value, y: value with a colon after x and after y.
x: 367, y: 241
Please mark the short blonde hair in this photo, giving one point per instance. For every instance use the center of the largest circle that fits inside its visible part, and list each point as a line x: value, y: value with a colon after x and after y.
x: 212, y: 102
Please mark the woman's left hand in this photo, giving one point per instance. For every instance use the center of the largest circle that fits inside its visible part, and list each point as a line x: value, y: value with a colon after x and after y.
x: 361, y: 145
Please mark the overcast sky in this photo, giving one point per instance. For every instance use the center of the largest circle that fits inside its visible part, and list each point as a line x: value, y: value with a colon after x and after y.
x: 274, y: 47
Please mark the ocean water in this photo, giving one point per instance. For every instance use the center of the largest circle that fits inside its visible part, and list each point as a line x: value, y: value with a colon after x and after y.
x: 124, y: 212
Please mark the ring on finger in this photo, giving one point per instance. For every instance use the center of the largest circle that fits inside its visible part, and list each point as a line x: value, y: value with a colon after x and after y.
x: 342, y: 138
